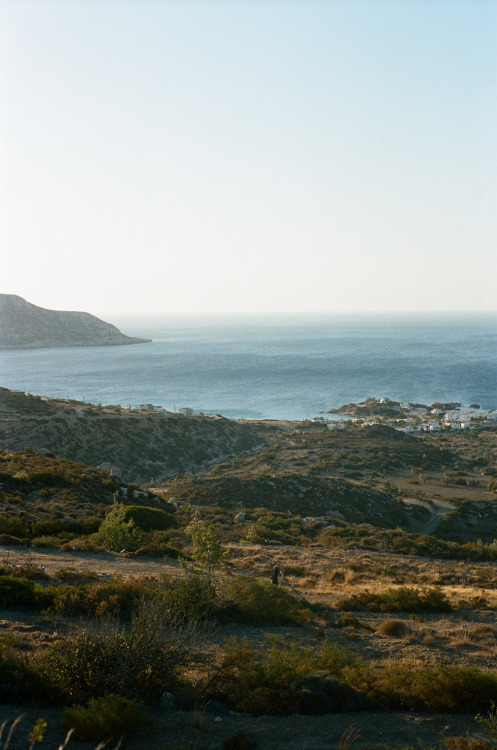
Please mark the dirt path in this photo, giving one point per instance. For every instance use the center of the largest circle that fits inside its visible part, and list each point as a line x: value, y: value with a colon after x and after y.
x: 438, y: 509
x: 99, y: 563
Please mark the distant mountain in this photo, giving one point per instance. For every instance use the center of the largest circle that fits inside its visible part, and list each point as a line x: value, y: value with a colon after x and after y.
x: 26, y: 326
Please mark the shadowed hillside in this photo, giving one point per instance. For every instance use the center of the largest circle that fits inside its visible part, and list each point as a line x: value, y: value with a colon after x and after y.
x: 142, y: 445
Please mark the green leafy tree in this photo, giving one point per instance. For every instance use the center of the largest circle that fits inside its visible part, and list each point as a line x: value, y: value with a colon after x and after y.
x: 116, y: 533
x: 207, y: 547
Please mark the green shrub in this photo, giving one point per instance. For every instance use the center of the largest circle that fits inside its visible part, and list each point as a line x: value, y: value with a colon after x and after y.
x: 400, y: 686
x: 46, y: 541
x: 23, y: 592
x: 103, y: 598
x: 273, y: 681
x: 402, y: 599
x: 22, y: 681
x: 108, y: 717
x: 189, y: 600
x: 139, y: 664
x: 116, y: 533
x: 206, y: 543
x: 13, y: 525
x: 254, y: 601
x: 49, y: 479
x: 489, y: 722
x: 149, y: 519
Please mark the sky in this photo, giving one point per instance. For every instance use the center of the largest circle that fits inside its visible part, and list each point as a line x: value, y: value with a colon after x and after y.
x: 225, y: 156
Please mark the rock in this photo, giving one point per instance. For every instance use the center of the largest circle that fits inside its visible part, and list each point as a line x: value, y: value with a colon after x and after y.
x: 168, y: 701
x: 240, y: 517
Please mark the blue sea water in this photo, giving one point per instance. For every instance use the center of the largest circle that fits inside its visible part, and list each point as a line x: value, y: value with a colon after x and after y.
x: 286, y: 367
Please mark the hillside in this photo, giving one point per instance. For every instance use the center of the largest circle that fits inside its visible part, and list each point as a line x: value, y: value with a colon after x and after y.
x: 142, y: 445
x: 440, y: 484
x: 26, y: 326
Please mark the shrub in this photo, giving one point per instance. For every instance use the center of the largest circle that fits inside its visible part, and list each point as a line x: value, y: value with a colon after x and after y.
x: 140, y: 664
x: 276, y: 680
x: 489, y: 722
x: 116, y: 533
x: 22, y: 681
x: 108, y: 717
x: 189, y: 600
x: 393, y: 628
x: 46, y: 541
x: 446, y: 689
x: 13, y: 525
x: 50, y: 479
x: 254, y: 601
x: 103, y: 598
x: 402, y: 599
x: 206, y: 543
x: 23, y: 592
x: 149, y: 519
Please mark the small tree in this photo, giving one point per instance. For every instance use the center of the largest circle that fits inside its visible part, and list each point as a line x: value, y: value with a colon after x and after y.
x: 206, y: 544
x: 115, y: 532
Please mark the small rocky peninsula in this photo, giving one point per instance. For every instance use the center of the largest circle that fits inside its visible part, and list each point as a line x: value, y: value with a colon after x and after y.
x: 26, y: 326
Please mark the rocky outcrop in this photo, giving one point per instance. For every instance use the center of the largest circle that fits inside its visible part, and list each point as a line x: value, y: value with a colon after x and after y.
x: 26, y: 326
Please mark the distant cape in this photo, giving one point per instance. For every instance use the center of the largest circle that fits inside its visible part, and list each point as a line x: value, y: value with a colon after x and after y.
x: 26, y: 326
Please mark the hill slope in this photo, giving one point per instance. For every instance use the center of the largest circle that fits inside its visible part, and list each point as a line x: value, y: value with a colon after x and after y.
x: 26, y: 326
x: 142, y: 445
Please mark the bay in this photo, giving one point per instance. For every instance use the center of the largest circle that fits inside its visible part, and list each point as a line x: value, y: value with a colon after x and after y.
x: 277, y: 367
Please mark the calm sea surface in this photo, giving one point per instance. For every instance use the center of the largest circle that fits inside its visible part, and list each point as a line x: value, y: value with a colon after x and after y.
x: 272, y: 367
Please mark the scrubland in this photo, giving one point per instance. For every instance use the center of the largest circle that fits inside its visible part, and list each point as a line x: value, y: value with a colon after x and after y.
x: 152, y: 616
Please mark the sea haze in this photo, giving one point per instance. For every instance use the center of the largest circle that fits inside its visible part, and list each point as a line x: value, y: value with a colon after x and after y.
x: 287, y: 367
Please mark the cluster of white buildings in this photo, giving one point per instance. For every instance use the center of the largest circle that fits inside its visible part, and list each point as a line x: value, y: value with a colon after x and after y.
x: 418, y: 420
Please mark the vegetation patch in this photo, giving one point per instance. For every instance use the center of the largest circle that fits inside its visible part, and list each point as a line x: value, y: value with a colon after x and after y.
x: 106, y: 718
x: 259, y: 602
x: 402, y: 599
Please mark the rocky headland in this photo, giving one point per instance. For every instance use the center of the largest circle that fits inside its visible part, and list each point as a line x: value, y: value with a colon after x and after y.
x: 26, y: 326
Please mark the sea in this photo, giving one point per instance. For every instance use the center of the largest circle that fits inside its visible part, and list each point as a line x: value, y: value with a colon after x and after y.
x: 289, y: 367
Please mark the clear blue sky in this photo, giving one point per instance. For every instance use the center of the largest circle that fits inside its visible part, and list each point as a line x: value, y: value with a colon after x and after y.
x: 249, y: 155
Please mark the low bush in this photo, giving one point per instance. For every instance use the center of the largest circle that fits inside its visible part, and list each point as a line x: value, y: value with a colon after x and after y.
x: 139, y: 664
x: 24, y: 592
x: 13, y: 525
x: 393, y: 628
x: 103, y: 598
x: 284, y: 678
x: 189, y: 600
x: 259, y: 602
x: 47, y: 541
x: 21, y: 680
x: 149, y: 519
x: 400, y: 686
x: 405, y: 543
x: 402, y: 599
x: 106, y: 718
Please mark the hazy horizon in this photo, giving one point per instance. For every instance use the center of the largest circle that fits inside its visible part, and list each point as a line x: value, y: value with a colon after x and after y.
x: 218, y: 158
